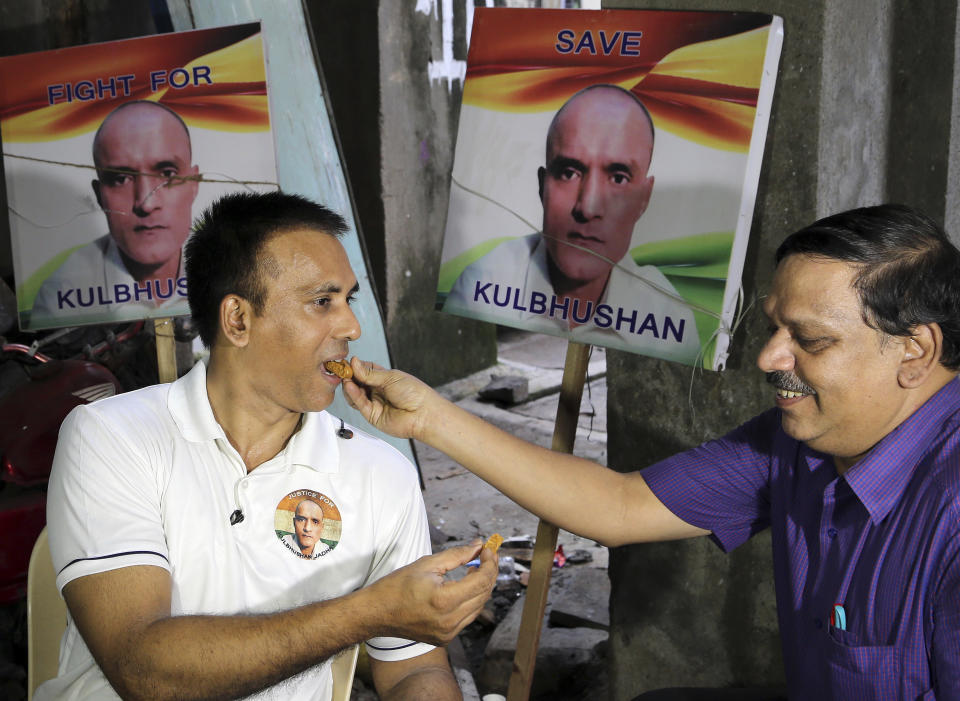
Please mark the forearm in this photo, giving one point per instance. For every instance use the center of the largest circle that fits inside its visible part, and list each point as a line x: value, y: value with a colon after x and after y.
x: 145, y: 653
x: 576, y: 494
x: 209, y: 657
x: 573, y: 493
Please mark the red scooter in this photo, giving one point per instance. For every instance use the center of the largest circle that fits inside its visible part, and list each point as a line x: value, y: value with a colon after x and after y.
x: 43, y: 377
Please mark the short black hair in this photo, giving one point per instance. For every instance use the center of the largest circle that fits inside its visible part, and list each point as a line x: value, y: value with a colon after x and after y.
x: 909, y: 269
x: 223, y: 255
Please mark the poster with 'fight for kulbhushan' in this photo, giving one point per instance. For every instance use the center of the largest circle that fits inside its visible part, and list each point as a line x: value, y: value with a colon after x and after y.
x: 110, y: 151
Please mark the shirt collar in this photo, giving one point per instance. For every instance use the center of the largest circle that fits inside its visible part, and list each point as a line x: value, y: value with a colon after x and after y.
x: 538, y: 278
x: 190, y: 407
x: 114, y: 270
x: 538, y: 275
x: 316, y: 445
x: 880, y: 479
x: 313, y: 445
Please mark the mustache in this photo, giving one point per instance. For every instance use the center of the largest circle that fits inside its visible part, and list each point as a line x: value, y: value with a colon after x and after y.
x: 789, y: 382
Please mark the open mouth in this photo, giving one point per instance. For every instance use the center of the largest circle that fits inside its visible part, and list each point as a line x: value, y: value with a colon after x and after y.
x: 337, y: 361
x: 787, y: 394
x: 789, y: 386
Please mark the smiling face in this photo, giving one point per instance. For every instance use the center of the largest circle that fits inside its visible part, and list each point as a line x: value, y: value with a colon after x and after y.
x: 308, y: 523
x: 139, y: 152
x: 305, y: 321
x: 595, y: 185
x: 836, y: 378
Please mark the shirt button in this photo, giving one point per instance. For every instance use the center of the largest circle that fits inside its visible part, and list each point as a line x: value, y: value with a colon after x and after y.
x: 832, y: 532
x: 818, y: 623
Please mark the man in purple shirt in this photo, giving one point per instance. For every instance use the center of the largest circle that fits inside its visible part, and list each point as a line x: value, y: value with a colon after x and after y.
x: 856, y: 471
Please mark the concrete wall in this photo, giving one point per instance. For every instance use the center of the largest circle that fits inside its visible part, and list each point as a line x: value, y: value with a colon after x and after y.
x: 397, y: 127
x: 862, y: 114
x: 922, y: 45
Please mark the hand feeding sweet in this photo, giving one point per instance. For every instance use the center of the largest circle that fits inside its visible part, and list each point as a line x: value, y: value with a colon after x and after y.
x: 340, y: 368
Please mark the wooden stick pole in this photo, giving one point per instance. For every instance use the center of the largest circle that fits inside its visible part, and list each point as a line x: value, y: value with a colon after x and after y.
x: 166, y: 349
x: 564, y: 435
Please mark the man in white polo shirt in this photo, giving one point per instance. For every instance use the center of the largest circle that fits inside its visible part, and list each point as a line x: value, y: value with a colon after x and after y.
x: 170, y: 507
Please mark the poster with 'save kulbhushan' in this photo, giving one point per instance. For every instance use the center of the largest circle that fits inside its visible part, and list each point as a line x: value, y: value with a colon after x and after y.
x: 605, y: 175
x: 110, y: 150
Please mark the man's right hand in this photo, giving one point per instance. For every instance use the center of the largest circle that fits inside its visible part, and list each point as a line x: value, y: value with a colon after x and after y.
x: 419, y: 603
x: 391, y: 400
x: 124, y: 616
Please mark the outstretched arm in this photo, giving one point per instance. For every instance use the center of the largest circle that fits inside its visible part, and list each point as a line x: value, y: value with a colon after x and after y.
x: 575, y: 494
x: 124, y: 617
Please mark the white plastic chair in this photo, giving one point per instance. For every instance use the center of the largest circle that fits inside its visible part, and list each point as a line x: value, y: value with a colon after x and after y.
x: 46, y: 616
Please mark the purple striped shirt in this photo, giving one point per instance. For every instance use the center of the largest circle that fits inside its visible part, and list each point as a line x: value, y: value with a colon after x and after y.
x: 883, y: 541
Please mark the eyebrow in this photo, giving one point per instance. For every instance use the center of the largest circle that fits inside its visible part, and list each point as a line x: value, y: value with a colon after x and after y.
x: 560, y: 162
x: 818, y: 323
x: 617, y: 167
x: 333, y: 288
x: 166, y: 164
x: 107, y: 170
x: 159, y: 165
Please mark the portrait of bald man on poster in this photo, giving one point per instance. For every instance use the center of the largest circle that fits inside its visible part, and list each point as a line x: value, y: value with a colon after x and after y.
x: 105, y: 174
x: 582, y: 205
x: 575, y: 276
x: 146, y: 184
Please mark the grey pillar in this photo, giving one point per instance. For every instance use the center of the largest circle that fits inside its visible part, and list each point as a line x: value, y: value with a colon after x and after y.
x: 398, y: 126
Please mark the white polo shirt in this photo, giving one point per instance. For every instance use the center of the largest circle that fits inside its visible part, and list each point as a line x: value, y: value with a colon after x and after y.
x: 149, y: 478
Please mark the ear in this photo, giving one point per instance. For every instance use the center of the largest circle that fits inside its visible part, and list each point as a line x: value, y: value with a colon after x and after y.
x: 95, y: 184
x: 193, y: 182
x: 235, y: 317
x: 646, y: 189
x: 541, y: 174
x: 921, y: 355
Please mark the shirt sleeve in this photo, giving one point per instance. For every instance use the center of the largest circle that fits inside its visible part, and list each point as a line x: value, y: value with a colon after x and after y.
x: 723, y: 485
x: 462, y: 287
x: 405, y: 539
x: 103, y: 504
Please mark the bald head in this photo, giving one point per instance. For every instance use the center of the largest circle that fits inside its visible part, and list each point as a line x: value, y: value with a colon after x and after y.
x: 143, y: 119
x: 610, y: 105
